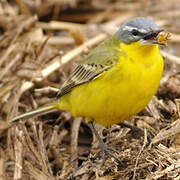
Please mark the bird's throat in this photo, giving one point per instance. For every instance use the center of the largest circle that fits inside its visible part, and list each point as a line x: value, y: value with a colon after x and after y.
x: 145, y: 54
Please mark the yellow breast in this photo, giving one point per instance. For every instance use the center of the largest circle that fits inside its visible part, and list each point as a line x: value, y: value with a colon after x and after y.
x: 120, y: 92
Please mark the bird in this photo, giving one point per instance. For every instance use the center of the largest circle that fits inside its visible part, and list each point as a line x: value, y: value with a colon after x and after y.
x: 114, y: 81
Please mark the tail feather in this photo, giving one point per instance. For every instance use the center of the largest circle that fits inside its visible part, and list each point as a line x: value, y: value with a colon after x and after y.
x: 47, y: 108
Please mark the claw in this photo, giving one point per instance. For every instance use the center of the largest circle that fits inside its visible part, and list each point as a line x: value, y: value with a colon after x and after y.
x: 106, y: 150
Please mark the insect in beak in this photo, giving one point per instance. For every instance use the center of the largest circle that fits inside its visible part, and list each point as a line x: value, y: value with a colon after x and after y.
x: 156, y: 37
x: 163, y: 38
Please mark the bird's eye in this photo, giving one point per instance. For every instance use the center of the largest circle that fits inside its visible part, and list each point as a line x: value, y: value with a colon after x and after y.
x: 135, y: 32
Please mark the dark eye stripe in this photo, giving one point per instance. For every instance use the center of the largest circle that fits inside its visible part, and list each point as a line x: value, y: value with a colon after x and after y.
x: 135, y: 32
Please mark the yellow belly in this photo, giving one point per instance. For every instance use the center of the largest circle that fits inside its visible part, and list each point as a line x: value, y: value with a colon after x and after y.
x: 117, y: 94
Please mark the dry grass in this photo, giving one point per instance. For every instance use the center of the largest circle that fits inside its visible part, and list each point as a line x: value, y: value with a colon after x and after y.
x: 41, y: 42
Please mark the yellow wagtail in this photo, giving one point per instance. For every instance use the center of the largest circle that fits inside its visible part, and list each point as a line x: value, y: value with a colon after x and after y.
x: 115, y: 81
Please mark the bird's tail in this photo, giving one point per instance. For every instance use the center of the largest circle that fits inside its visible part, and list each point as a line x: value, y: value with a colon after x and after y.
x: 47, y: 108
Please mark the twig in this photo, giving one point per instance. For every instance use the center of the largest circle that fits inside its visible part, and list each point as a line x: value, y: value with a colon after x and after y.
x: 74, y: 140
x: 141, y: 150
x: 171, y: 57
x: 54, y: 143
x: 18, y: 156
x: 25, y: 26
x: 30, y: 146
x: 165, y: 134
x: 46, y: 90
x: 41, y: 48
x: 54, y: 40
x: 65, y: 59
x: 41, y: 147
x: 57, y: 25
x: 13, y: 61
x: 10, y: 49
x: 175, y: 38
x: 23, y: 7
x: 170, y: 168
x: 2, y: 165
x: 35, y: 172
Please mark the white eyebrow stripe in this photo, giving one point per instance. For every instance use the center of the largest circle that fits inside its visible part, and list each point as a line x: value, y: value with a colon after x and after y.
x: 130, y: 28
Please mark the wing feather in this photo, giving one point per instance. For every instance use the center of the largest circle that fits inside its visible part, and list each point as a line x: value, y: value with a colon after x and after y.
x: 81, y: 75
x: 101, y: 59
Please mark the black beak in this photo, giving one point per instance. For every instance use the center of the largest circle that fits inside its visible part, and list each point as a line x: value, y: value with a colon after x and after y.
x: 152, y: 35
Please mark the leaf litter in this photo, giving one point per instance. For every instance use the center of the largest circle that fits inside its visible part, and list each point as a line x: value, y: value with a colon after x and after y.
x: 41, y: 42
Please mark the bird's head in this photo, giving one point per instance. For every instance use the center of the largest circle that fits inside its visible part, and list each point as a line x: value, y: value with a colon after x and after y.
x: 141, y: 30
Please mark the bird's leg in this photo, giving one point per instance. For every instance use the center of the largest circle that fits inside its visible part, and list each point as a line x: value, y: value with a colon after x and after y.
x: 106, y: 150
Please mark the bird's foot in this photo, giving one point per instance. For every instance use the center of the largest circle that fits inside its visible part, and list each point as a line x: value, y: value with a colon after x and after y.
x: 108, y: 151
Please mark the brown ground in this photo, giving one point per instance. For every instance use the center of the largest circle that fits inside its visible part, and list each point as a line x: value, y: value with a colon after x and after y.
x: 34, y: 36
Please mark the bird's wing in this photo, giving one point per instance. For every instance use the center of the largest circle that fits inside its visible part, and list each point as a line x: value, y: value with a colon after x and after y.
x: 101, y: 59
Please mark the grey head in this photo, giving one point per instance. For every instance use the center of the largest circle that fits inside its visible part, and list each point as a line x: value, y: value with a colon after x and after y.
x: 138, y: 29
